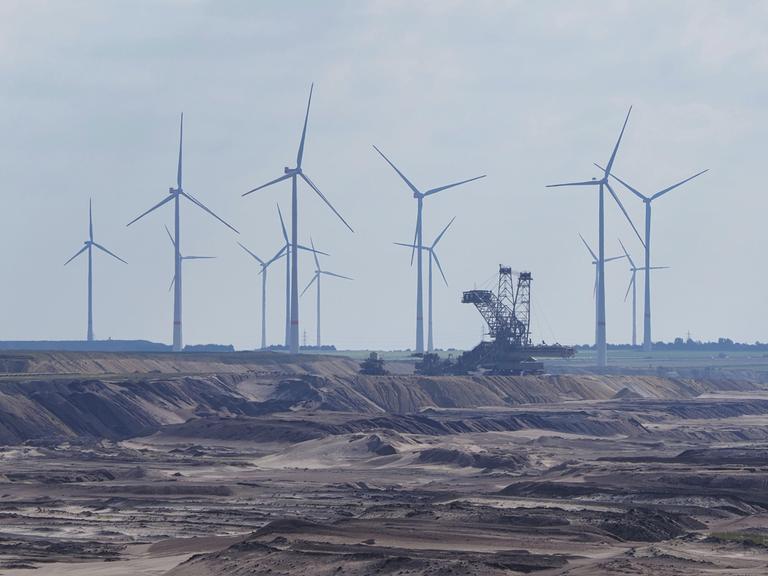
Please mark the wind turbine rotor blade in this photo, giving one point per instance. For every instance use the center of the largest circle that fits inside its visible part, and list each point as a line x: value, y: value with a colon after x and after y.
x: 275, y: 181
x: 627, y: 186
x: 282, y: 225
x: 90, y: 219
x: 317, y: 190
x: 591, y: 252
x: 631, y: 282
x: 280, y: 253
x: 413, y: 246
x: 616, y: 148
x: 201, y: 205
x: 441, y: 188
x: 155, y: 207
x: 624, y: 211
x: 408, y: 182
x: 310, y: 284
x: 100, y: 247
x: 198, y: 257
x: 307, y: 249
x: 415, y: 237
x: 583, y: 183
x: 300, y: 154
x: 170, y: 236
x: 439, y: 267
x: 181, y: 143
x: 659, y: 268
x: 594, y: 290
x: 662, y: 192
x: 259, y: 260
x: 83, y: 249
x: 614, y: 258
x: 334, y: 275
x: 314, y: 253
x: 439, y: 236
x: 631, y: 262
x: 173, y: 280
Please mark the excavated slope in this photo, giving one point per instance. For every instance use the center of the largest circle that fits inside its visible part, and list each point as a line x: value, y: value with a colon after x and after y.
x: 94, y: 408
x: 131, y: 399
x: 408, y: 394
x: 106, y: 363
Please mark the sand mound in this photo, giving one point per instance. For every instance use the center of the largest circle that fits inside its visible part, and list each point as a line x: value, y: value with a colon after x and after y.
x: 709, y: 456
x: 297, y: 427
x: 647, y: 526
x: 299, y: 547
x: 464, y: 459
x: 341, y: 451
x: 627, y: 394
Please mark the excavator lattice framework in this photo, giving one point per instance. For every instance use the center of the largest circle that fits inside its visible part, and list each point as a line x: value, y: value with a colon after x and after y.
x: 508, y: 315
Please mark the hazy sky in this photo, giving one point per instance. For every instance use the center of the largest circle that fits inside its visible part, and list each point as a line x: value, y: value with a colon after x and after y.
x: 529, y: 93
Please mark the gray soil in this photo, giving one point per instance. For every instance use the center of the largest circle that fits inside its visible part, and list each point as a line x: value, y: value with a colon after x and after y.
x: 214, y: 464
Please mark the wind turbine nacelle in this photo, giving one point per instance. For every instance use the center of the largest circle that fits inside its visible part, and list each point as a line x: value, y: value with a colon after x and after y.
x: 289, y: 170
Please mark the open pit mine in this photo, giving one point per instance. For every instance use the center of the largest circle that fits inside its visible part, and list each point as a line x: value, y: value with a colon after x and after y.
x: 267, y: 463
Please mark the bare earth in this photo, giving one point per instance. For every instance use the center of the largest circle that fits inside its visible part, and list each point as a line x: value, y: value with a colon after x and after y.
x: 265, y: 464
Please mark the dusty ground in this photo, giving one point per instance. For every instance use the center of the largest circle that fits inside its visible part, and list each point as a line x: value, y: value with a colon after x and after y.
x: 273, y: 466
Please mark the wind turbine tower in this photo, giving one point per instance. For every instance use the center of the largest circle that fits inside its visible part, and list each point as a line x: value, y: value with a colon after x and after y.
x: 175, y: 194
x: 264, y: 266
x: 287, y: 247
x: 595, y: 261
x: 89, y: 246
x: 294, y: 174
x: 432, y: 258
x: 418, y: 245
x: 319, y: 273
x: 182, y: 257
x: 633, y: 286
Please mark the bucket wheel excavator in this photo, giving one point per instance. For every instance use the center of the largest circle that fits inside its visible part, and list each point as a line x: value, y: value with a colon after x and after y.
x: 508, y: 316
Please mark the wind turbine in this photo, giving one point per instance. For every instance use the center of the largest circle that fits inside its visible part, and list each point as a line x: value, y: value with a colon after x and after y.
x: 319, y: 272
x: 418, y: 244
x: 170, y: 237
x: 595, y: 261
x: 633, y: 286
x: 264, y: 266
x: 647, y: 200
x: 175, y: 194
x: 89, y: 245
x: 287, y: 248
x: 601, y: 343
x: 432, y: 256
x: 294, y: 174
